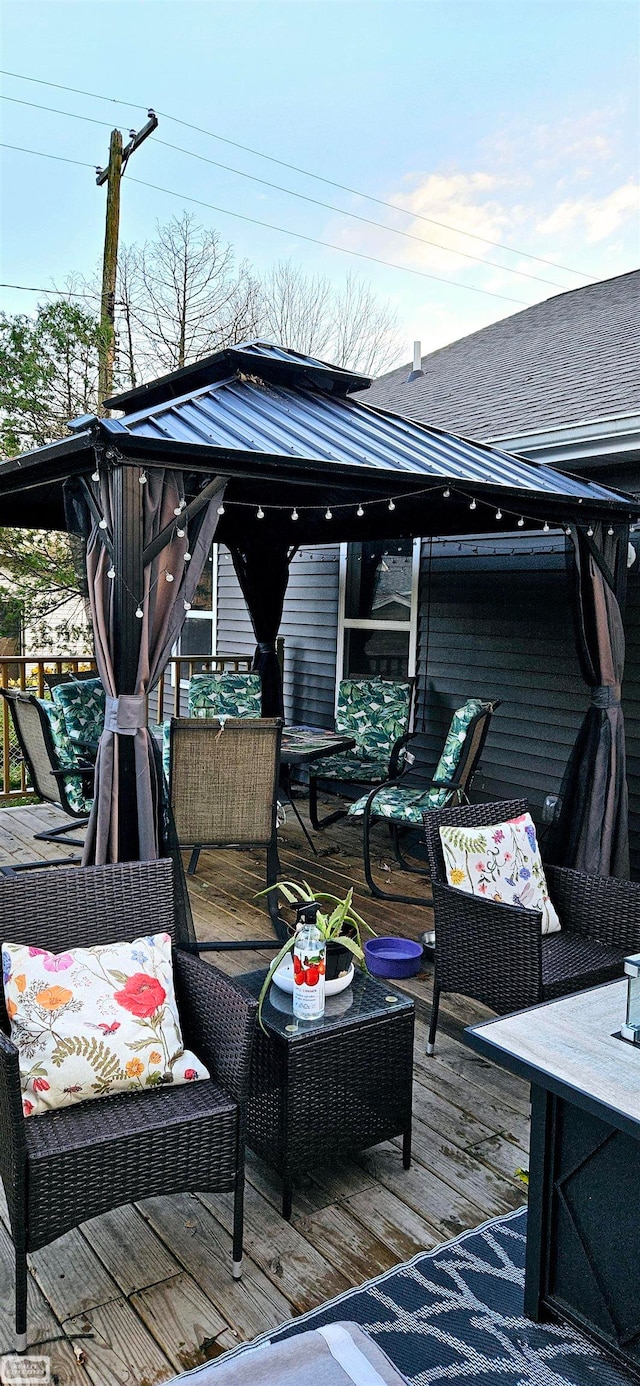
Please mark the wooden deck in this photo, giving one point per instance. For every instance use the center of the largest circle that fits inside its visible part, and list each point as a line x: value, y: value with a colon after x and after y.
x: 139, y: 1294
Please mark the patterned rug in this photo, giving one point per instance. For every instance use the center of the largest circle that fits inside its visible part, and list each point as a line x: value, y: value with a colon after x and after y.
x: 455, y: 1315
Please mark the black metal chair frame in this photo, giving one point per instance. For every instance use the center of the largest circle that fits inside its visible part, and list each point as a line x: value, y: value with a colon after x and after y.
x: 320, y: 823
x: 458, y: 787
x: 497, y: 953
x: 60, y: 774
x: 66, y: 1166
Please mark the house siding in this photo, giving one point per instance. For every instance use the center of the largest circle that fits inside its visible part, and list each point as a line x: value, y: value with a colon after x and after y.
x: 309, y: 626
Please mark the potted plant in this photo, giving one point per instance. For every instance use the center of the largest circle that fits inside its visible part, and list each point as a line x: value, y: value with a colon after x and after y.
x: 341, y: 929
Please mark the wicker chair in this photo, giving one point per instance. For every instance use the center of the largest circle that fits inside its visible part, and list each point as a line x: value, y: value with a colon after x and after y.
x: 68, y: 785
x: 413, y: 787
x: 497, y: 953
x: 72, y: 1164
x: 223, y: 786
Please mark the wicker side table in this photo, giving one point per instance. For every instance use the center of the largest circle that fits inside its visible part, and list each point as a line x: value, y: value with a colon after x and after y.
x: 341, y: 1083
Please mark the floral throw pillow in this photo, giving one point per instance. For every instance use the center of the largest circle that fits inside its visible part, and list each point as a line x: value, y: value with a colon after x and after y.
x: 502, y: 863
x: 94, y: 1021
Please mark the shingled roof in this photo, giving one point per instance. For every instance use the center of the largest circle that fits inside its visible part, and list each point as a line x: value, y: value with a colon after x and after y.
x: 572, y: 359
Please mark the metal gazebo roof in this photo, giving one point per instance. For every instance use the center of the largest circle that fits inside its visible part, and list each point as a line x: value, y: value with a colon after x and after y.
x: 282, y: 428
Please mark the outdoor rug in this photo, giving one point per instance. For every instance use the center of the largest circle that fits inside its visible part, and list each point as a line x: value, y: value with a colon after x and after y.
x: 454, y: 1315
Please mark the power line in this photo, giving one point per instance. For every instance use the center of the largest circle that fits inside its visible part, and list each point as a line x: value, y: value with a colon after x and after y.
x: 286, y: 231
x: 355, y: 216
x: 61, y: 293
x: 40, y: 154
x: 295, y: 168
x: 303, y: 197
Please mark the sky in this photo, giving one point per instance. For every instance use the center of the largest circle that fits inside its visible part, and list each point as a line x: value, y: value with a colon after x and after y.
x: 516, y: 122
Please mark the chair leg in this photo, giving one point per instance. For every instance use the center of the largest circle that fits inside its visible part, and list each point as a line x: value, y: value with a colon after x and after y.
x: 193, y: 861
x: 21, y: 1299
x: 435, y: 1006
x: 238, y: 1224
x: 313, y: 808
x: 373, y: 886
x: 60, y: 834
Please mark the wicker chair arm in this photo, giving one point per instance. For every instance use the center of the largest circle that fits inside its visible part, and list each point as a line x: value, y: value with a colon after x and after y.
x: 598, y: 907
x: 487, y: 949
x: 218, y: 1020
x: 13, y: 1148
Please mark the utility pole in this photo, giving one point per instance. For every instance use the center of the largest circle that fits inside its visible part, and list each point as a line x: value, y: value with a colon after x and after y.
x: 112, y: 175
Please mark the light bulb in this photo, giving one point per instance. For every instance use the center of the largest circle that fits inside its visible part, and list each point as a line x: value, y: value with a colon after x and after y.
x: 472, y: 505
x: 143, y: 478
x: 221, y: 510
x: 260, y: 513
x: 294, y: 514
x: 498, y: 514
x: 610, y: 529
x: 328, y: 515
x: 568, y: 530
x: 180, y: 533
x: 545, y: 528
x: 187, y: 606
x: 187, y: 557
x: 139, y: 612
x: 359, y: 512
x: 391, y: 505
x: 95, y: 476
x: 102, y: 524
x: 169, y: 577
x: 446, y: 493
x: 520, y: 522
x: 111, y: 573
x: 590, y: 531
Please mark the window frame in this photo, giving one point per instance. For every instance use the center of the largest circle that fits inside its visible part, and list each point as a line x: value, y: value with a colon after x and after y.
x: 360, y: 623
x: 206, y: 614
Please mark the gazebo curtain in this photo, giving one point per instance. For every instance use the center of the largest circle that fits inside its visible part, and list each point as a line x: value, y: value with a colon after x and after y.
x: 592, y: 834
x: 262, y: 569
x: 163, y: 607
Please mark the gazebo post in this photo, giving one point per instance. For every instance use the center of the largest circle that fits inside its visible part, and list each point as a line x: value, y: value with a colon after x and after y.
x: 127, y: 559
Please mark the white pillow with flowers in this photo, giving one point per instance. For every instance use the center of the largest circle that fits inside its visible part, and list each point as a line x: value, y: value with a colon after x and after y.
x: 501, y: 862
x: 91, y: 1022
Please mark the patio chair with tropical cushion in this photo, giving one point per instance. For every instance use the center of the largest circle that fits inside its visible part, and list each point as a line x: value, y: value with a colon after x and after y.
x: 222, y: 694
x: 59, y: 772
x: 82, y: 704
x: 497, y: 952
x: 64, y: 1166
x: 414, y: 786
x: 375, y: 712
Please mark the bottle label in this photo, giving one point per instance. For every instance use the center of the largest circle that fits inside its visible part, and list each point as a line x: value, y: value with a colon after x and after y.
x: 308, y: 976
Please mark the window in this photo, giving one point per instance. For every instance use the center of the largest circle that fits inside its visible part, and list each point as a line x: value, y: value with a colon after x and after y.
x: 199, y: 630
x: 378, y: 608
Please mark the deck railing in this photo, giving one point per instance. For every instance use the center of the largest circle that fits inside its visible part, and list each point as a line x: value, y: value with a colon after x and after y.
x: 168, y: 699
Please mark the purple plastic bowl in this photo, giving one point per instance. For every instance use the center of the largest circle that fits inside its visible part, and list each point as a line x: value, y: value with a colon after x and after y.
x: 393, y: 957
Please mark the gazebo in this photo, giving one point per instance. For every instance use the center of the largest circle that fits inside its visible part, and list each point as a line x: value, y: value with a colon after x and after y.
x: 265, y: 449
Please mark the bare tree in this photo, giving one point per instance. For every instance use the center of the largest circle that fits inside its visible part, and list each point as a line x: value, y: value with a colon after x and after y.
x: 180, y: 297
x: 349, y: 326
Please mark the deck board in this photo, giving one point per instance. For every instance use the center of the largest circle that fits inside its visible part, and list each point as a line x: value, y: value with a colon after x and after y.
x: 148, y: 1288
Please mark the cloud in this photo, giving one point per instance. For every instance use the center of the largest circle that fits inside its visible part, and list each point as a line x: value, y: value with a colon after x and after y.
x: 598, y: 217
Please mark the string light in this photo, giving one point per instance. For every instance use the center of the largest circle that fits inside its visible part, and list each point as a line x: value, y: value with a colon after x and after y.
x: 187, y: 606
x: 520, y: 522
x: 111, y: 573
x: 328, y: 514
x: 221, y: 510
x: 143, y: 478
x: 590, y: 531
x: 186, y: 557
x: 610, y: 530
x: 446, y: 493
x: 169, y: 577
x: 139, y: 613
x: 180, y: 533
x: 294, y: 514
x: 391, y: 505
x: 568, y: 530
x: 359, y: 512
x: 545, y: 528
x: 95, y: 476
x: 498, y: 514
x: 472, y: 505
x: 102, y: 524
x: 260, y: 513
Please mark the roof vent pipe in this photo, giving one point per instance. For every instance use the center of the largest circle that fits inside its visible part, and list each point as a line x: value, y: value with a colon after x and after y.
x: 417, y: 363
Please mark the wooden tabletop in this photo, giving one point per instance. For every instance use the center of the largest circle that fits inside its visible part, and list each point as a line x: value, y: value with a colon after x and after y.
x: 569, y: 1046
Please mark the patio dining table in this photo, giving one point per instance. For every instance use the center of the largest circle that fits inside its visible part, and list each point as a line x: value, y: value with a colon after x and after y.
x: 300, y: 746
